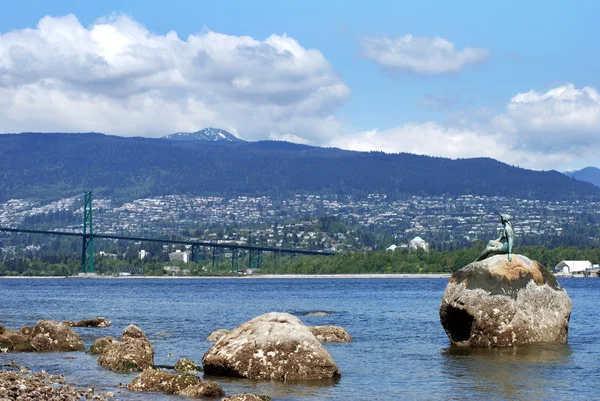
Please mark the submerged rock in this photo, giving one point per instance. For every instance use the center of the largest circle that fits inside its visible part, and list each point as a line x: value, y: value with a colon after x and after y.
x: 133, y: 353
x: 499, y: 303
x: 206, y: 389
x: 247, y: 397
x: 317, y: 314
x: 95, y: 322
x: 151, y: 380
x: 273, y: 346
x: 331, y: 334
x: 217, y: 335
x: 50, y: 335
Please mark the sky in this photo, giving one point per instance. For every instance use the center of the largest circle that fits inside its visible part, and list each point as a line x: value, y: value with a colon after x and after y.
x: 514, y: 81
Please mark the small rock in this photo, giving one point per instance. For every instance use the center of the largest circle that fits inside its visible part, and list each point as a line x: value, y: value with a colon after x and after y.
x: 186, y: 365
x: 14, y: 341
x: 100, y: 344
x: 247, y: 397
x: 209, y: 389
x: 95, y: 322
x: 217, y: 335
x: 152, y: 380
x: 331, y: 334
x: 26, y: 331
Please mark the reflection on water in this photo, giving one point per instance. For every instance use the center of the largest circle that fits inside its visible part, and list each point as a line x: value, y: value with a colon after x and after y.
x: 277, y: 390
x: 508, y: 373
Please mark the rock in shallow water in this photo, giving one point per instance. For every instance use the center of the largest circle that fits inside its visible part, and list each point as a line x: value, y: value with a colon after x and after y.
x: 273, y: 346
x: 151, y: 380
x: 331, y: 334
x: 95, y: 322
x: 500, y: 303
x: 186, y: 365
x: 133, y: 353
x: 247, y: 397
x: 100, y: 344
x: 50, y: 335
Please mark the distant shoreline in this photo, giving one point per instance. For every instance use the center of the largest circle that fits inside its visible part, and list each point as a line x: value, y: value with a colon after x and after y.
x: 257, y: 276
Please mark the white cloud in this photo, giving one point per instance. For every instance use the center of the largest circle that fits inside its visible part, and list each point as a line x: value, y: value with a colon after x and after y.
x: 562, y: 118
x: 558, y: 129
x: 117, y: 77
x: 419, y: 54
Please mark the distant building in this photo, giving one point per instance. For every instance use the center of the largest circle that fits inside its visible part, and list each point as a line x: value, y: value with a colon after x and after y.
x: 108, y: 255
x: 178, y: 255
x: 391, y: 248
x: 573, y: 266
x: 174, y: 270
x: 143, y: 254
x: 418, y: 242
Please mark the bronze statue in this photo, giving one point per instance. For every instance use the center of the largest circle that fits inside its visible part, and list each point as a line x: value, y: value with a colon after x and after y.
x: 502, y: 245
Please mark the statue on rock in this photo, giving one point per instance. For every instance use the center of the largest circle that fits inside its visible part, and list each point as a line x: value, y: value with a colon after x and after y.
x: 500, y: 302
x: 502, y: 245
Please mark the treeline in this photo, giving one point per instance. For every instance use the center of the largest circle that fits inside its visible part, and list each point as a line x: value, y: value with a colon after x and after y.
x: 398, y: 261
x: 55, y: 165
x: 403, y: 261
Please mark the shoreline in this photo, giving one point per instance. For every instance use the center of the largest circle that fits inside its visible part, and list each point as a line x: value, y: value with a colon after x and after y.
x: 257, y: 276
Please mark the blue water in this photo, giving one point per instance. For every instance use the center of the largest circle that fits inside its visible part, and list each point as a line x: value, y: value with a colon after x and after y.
x: 400, y: 351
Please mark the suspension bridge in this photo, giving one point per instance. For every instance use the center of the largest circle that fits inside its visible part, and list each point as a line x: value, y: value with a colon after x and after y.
x: 197, y: 247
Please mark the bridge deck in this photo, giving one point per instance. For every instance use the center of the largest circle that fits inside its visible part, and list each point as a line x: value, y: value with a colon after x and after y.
x: 171, y: 241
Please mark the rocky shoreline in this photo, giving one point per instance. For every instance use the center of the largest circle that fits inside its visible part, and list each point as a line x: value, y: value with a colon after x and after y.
x: 273, y: 346
x: 21, y: 383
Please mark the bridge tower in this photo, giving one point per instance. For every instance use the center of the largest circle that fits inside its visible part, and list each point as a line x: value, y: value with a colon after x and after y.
x: 87, y: 251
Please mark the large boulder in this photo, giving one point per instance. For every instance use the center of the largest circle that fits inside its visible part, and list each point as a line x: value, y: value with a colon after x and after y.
x: 500, y: 303
x: 273, y: 346
x: 151, y: 380
x: 133, y: 353
x: 50, y: 335
x: 331, y: 334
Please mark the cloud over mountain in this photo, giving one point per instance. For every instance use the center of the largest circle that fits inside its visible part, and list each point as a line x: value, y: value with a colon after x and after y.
x: 536, y: 130
x: 117, y: 77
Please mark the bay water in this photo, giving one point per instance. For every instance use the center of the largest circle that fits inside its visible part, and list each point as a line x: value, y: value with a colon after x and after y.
x: 399, y: 352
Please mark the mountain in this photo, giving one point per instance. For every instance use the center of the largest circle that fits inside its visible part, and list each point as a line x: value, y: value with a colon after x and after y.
x: 50, y: 165
x: 587, y: 174
x: 204, y: 135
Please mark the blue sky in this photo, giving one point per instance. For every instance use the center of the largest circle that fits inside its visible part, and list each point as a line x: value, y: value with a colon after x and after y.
x: 520, y: 83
